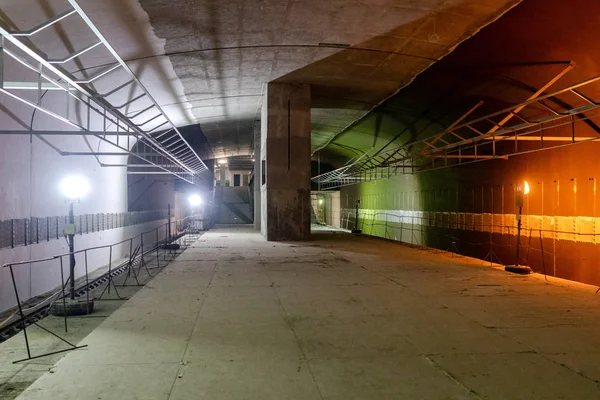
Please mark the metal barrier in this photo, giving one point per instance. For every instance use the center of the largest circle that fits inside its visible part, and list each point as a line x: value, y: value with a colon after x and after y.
x: 27, y: 231
x: 438, y: 233
x: 143, y: 248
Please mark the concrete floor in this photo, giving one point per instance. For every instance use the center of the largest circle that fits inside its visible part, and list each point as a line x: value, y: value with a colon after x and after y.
x: 16, y: 377
x: 340, y: 317
x: 316, y: 228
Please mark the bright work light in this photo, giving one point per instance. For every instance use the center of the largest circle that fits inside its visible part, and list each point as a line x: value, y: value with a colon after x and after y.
x: 74, y: 187
x: 195, y: 200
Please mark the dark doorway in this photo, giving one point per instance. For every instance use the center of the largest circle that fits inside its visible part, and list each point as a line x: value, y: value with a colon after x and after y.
x: 236, y: 180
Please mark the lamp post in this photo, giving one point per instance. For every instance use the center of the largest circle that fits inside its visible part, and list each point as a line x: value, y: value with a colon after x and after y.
x: 522, y: 191
x: 70, y: 231
x: 321, y: 211
x: 73, y: 188
x: 356, y: 230
x: 195, y: 201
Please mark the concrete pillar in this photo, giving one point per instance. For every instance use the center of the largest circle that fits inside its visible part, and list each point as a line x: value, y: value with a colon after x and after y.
x: 257, y: 176
x: 285, y: 147
x: 222, y: 175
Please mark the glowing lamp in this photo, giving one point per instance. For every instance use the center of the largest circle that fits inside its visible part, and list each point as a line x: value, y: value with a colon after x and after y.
x: 74, y: 187
x: 195, y: 200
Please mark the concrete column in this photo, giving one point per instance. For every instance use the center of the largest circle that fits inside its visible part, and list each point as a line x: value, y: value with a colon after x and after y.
x: 285, y: 143
x: 223, y: 175
x: 257, y: 176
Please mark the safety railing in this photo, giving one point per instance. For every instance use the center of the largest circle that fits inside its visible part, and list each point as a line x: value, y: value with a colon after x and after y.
x: 143, y: 252
x: 541, y: 248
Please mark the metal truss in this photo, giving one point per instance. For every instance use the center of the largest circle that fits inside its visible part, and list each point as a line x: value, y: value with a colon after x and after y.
x: 490, y: 137
x: 148, y: 135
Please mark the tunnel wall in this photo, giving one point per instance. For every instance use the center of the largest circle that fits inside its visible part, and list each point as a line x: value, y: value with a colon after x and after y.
x: 30, y: 173
x: 472, y: 210
x: 147, y: 192
x: 39, y: 278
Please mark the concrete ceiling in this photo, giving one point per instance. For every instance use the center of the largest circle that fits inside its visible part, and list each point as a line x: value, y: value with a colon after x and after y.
x: 224, y: 52
x: 207, y: 62
x: 527, y: 54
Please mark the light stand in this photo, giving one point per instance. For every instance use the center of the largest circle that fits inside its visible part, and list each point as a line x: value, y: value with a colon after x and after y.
x: 519, y: 219
x: 517, y: 268
x: 70, y: 231
x: 73, y: 188
x: 195, y: 201
x: 356, y: 230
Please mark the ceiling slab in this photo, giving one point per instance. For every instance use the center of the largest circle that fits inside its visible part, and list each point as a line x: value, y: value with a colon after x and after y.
x: 207, y: 62
x: 224, y: 52
x: 529, y: 58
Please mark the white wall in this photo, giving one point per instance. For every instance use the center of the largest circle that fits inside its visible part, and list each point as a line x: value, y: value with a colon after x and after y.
x: 225, y: 174
x: 151, y: 192
x: 38, y: 278
x: 30, y: 173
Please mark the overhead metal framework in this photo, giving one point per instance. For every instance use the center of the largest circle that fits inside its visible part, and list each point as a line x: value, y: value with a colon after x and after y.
x: 148, y: 135
x: 527, y: 127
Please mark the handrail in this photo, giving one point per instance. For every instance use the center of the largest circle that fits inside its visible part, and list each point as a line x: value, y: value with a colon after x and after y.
x: 136, y: 259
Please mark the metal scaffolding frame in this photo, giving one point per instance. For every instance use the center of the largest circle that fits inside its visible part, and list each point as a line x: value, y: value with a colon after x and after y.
x: 155, y: 143
x: 491, y: 137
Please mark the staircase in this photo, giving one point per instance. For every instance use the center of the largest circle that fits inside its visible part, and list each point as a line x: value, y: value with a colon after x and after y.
x: 233, y: 205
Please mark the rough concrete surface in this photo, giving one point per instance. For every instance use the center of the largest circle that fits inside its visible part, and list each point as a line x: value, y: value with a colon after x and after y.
x: 225, y: 51
x: 338, y: 317
x: 16, y: 377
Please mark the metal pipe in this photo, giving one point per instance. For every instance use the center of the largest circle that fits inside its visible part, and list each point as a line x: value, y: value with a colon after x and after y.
x: 45, y: 25
x: 157, y: 126
x: 74, y: 55
x: 50, y: 113
x: 71, y: 252
x: 99, y: 75
x: 150, y: 120
x: 117, y: 88
x: 517, y: 262
x: 130, y: 101
x: 142, y: 111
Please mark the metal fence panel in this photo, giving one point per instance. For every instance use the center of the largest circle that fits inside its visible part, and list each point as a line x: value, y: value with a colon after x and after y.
x: 26, y: 231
